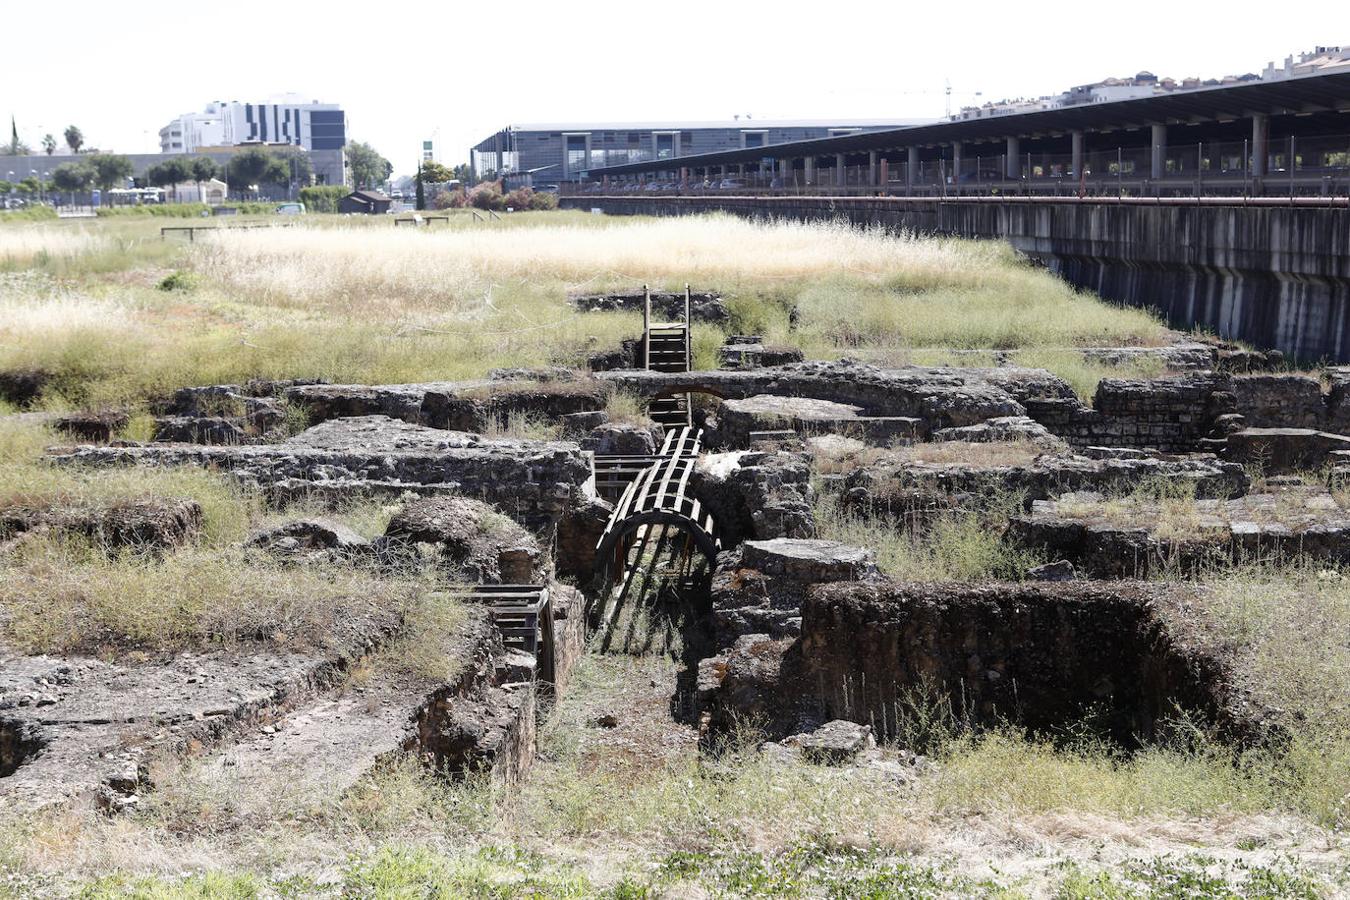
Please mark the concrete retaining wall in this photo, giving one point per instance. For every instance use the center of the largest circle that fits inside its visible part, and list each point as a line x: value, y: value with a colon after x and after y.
x: 1275, y: 276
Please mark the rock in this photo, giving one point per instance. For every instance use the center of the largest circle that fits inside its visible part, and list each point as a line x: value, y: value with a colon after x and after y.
x: 307, y: 535
x: 21, y: 387
x: 150, y: 523
x: 476, y: 542
x: 538, y: 482
x: 97, y: 427
x: 835, y: 743
x: 578, y: 425
x: 756, y: 494
x: 703, y: 307
x: 739, y: 420
x: 742, y: 351
x: 1055, y: 571
x: 200, y: 430
x: 809, y: 561
x: 614, y: 439
x: 759, y: 586
x: 606, y: 720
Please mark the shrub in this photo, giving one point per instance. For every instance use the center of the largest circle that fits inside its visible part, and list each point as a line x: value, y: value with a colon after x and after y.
x: 543, y: 201
x: 455, y: 199
x: 28, y: 214
x: 487, y: 195
x: 322, y: 197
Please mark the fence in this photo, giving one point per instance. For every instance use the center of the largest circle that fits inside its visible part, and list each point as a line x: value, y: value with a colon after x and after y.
x: 1310, y: 166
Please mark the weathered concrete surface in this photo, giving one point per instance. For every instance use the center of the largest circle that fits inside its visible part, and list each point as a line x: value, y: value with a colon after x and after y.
x: 1273, y: 276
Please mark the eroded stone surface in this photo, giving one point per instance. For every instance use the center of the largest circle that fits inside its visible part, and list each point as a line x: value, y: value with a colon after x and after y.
x: 1135, y: 537
x: 759, y: 586
x: 1124, y: 656
x: 534, y: 482
x: 155, y: 522
x: 906, y: 482
x: 478, y: 544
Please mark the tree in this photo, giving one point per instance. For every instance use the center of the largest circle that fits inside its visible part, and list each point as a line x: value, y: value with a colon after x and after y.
x: 248, y: 169
x: 421, y: 190
x: 292, y: 168
x: 204, y: 168
x: 463, y: 173
x: 369, y: 168
x: 15, y: 147
x: 170, y: 172
x: 73, y: 177
x: 5, y: 186
x: 435, y: 173
x: 111, y: 170
x: 256, y: 166
x: 74, y: 138
x: 48, y: 144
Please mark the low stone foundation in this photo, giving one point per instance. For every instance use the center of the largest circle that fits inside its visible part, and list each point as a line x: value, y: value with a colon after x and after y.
x: 1118, y: 659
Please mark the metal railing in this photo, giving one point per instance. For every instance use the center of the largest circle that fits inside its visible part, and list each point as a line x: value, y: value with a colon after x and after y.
x: 1292, y: 166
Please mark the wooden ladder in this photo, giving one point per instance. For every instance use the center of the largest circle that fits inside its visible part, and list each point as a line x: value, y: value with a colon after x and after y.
x: 666, y: 348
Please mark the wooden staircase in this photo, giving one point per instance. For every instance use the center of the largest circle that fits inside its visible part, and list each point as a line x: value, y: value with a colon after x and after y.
x: 666, y: 348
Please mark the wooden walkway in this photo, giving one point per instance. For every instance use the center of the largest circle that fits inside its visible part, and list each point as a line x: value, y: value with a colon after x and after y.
x: 659, y: 496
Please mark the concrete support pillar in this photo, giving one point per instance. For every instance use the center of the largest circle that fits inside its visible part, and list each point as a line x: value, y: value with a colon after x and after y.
x: 1077, y: 143
x: 911, y: 166
x: 1260, y: 144
x: 956, y: 167
x: 810, y: 166
x: 1158, y: 149
x: 1013, y: 160
x: 884, y: 173
x: 872, y: 173
x: 785, y: 171
x: 840, y: 173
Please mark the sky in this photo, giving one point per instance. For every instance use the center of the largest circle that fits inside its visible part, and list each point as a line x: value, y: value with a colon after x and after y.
x: 455, y: 72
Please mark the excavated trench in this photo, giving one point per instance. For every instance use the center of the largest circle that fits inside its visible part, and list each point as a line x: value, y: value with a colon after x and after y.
x: 19, y: 743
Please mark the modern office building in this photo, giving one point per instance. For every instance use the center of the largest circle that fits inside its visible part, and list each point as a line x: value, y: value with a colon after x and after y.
x: 286, y: 120
x: 549, y: 153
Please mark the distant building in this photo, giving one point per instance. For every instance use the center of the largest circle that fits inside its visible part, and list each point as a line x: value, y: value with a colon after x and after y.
x: 548, y: 153
x: 1316, y: 61
x: 291, y: 120
x: 366, y: 202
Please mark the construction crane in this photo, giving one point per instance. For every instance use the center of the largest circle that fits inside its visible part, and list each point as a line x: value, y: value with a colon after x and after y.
x: 947, y: 93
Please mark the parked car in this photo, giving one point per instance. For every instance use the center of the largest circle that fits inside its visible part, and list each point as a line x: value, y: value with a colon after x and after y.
x: 291, y: 209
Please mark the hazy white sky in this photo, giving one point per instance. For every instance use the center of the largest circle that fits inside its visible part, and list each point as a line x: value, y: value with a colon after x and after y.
x: 460, y: 71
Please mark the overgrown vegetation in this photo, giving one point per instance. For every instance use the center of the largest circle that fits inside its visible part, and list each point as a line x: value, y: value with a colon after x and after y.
x: 358, y: 303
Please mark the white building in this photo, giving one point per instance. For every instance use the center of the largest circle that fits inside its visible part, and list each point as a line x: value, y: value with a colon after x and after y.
x: 289, y: 119
x: 1316, y: 61
x: 190, y: 131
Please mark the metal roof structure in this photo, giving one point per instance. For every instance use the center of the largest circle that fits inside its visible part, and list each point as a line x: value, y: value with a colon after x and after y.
x: 1298, y: 95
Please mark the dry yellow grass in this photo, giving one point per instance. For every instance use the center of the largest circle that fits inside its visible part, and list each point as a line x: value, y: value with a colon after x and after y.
x: 367, y: 304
